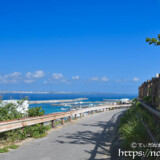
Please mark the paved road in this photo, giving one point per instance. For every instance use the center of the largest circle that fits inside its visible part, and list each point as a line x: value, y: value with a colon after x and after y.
x: 88, y: 139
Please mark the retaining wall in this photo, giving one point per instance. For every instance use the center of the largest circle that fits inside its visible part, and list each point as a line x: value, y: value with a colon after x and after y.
x: 151, y: 88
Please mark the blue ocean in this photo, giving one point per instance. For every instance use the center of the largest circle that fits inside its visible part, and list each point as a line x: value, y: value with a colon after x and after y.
x: 93, y: 100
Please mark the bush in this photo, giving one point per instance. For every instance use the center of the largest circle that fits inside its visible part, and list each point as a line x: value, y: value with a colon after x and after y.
x: 131, y: 129
x: 11, y: 136
x: 37, y: 111
x: 35, y: 131
x: 38, y: 130
x: 127, y: 115
x: 151, y: 122
x: 9, y: 112
x: 148, y: 99
x: 134, y: 100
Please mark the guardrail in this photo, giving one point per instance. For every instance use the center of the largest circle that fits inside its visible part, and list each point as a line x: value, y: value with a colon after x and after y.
x: 149, y: 108
x: 21, y: 123
x: 153, y: 112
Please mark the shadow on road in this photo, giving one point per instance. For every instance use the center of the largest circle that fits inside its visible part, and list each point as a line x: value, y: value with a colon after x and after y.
x: 101, y: 140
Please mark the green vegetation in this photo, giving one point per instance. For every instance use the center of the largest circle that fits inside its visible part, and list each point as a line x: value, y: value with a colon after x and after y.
x: 150, y: 120
x: 134, y: 100
x: 37, y: 111
x: 57, y: 122
x: 131, y: 128
x: 148, y: 99
x: 10, y: 112
x: 150, y: 91
x: 13, y: 146
x: 35, y: 131
x: 4, y: 149
x: 154, y: 40
x: 157, y: 100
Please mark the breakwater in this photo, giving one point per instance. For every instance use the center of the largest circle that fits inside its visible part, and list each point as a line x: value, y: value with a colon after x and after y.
x: 57, y: 101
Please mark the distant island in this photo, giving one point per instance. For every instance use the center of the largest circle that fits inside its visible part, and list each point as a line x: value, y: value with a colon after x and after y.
x: 52, y: 92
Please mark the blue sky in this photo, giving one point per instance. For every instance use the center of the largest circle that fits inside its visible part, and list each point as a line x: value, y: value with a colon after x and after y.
x: 78, y: 46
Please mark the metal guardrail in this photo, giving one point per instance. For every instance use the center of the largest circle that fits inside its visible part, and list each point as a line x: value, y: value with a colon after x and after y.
x: 154, y: 112
x: 21, y: 123
x: 149, y: 108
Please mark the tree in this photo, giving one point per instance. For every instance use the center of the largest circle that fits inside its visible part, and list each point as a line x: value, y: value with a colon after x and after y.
x: 9, y: 112
x: 154, y: 40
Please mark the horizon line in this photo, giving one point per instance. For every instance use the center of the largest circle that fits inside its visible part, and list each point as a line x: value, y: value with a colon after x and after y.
x: 62, y: 92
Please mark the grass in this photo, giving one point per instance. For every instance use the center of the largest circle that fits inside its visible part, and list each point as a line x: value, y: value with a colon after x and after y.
x: 39, y: 135
x: 148, y: 99
x: 4, y: 150
x: 13, y: 146
x: 132, y: 130
x: 152, y: 122
x: 57, y: 122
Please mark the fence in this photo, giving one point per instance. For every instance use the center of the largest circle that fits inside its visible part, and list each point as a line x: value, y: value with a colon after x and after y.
x: 21, y: 123
x: 153, y: 112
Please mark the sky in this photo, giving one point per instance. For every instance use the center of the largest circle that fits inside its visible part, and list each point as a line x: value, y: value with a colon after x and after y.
x: 78, y: 46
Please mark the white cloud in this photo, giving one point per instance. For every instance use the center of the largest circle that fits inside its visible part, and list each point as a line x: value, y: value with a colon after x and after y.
x: 57, y: 76
x: 104, y: 79
x: 29, y: 81
x: 36, y: 74
x: 32, y: 76
x: 94, y: 79
x: 11, y: 78
x: 75, y: 77
x: 135, y: 79
x: 13, y: 75
x: 29, y: 74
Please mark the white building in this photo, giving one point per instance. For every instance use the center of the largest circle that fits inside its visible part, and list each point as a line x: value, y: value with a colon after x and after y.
x: 124, y: 100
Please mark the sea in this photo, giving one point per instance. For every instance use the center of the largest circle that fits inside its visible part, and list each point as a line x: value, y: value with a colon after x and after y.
x: 93, y: 99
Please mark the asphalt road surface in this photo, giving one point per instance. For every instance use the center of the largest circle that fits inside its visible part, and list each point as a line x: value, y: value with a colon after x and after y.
x: 89, y: 138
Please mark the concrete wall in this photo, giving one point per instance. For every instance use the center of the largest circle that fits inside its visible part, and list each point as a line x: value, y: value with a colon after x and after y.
x: 151, y: 88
